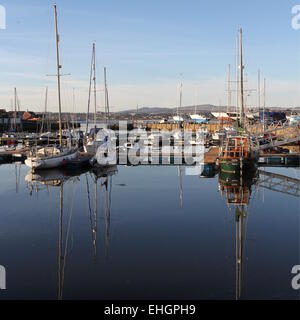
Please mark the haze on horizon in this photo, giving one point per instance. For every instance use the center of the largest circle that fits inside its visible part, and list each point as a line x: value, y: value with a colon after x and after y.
x: 148, y: 48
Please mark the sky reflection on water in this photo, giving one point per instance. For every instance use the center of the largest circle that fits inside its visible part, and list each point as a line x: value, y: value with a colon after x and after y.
x: 154, y: 235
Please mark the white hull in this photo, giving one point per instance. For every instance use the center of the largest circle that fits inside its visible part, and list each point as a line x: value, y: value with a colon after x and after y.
x: 50, y: 162
x: 198, y: 118
x: 92, y: 147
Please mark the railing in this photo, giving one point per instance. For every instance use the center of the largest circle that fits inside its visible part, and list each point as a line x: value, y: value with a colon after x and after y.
x: 279, y: 183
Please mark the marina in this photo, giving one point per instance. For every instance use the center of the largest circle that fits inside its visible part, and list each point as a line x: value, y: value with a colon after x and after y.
x: 148, y: 159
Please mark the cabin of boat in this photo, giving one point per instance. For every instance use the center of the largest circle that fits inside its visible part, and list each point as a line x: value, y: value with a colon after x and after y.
x: 236, y: 155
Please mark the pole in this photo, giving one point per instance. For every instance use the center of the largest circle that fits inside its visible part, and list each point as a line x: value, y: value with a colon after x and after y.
x: 264, y: 104
x: 45, y: 112
x: 89, y: 99
x: 180, y: 104
x: 107, y: 115
x: 258, y: 90
x: 237, y: 77
x: 229, y: 91
x: 95, y: 93
x: 241, y: 78
x: 15, y: 106
x: 58, y: 76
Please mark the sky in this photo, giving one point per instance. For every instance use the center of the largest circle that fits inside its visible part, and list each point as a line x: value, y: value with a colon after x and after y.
x: 148, y: 47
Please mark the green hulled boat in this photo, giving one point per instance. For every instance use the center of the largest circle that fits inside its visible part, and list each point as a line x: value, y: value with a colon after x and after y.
x: 236, y: 156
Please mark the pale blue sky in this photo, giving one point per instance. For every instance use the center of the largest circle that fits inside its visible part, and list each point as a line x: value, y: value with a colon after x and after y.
x: 146, y: 45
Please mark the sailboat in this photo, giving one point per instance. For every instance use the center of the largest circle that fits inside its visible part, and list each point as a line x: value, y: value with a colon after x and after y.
x: 97, y: 136
x: 105, y: 143
x: 237, y: 155
x: 178, y: 118
x: 52, y: 156
x: 196, y: 117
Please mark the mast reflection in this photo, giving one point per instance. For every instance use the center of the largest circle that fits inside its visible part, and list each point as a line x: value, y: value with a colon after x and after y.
x: 237, y: 192
x: 57, y: 178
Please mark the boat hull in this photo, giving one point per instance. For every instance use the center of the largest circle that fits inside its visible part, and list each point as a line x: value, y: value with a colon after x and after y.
x: 50, y: 162
x: 235, y: 166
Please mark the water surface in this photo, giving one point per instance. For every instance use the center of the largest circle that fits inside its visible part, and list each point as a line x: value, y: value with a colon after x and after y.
x: 146, y: 232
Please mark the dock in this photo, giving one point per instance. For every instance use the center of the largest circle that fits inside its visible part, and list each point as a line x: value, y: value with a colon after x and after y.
x: 211, y: 156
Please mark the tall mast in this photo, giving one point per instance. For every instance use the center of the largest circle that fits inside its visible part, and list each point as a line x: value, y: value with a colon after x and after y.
x: 258, y: 89
x: 45, y: 112
x: 264, y: 104
x: 90, y: 87
x: 237, y: 76
x: 73, y: 116
x: 241, y: 78
x: 15, y: 105
x: 95, y: 86
x: 229, y: 91
x: 107, y: 115
x: 196, y: 98
x: 180, y: 98
x: 58, y: 76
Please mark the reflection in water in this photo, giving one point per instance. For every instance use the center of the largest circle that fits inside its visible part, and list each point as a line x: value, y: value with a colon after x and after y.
x: 57, y: 178
x: 180, y: 186
x: 153, y: 250
x: 237, y: 193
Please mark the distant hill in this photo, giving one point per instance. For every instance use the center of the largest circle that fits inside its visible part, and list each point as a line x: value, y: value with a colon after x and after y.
x: 186, y: 109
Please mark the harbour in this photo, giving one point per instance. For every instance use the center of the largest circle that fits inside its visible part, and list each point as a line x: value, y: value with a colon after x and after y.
x: 143, y: 159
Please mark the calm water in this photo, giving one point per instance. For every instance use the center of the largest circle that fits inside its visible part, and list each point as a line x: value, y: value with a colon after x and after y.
x: 153, y: 235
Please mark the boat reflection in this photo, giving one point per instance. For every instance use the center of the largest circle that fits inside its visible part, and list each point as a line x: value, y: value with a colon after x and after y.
x: 58, y: 178
x: 103, y: 176
x: 236, y: 191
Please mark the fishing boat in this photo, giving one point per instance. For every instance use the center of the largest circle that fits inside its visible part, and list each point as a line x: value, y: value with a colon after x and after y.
x: 53, y: 156
x: 236, y: 155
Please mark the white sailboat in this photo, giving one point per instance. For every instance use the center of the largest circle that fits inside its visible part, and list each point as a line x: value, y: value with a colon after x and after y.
x: 106, y: 149
x: 52, y: 156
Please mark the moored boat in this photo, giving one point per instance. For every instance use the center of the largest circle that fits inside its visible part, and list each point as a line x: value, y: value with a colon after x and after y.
x: 51, y: 157
x: 236, y: 155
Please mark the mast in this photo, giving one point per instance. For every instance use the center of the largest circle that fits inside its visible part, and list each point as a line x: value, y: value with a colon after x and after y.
x: 73, y: 116
x: 107, y: 115
x: 237, y: 76
x: 264, y: 104
x: 94, y: 80
x: 180, y: 104
x: 90, y: 86
x: 196, y: 98
x: 45, y: 112
x: 258, y: 90
x: 241, y: 80
x: 15, y: 106
x: 229, y: 91
x: 58, y: 76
